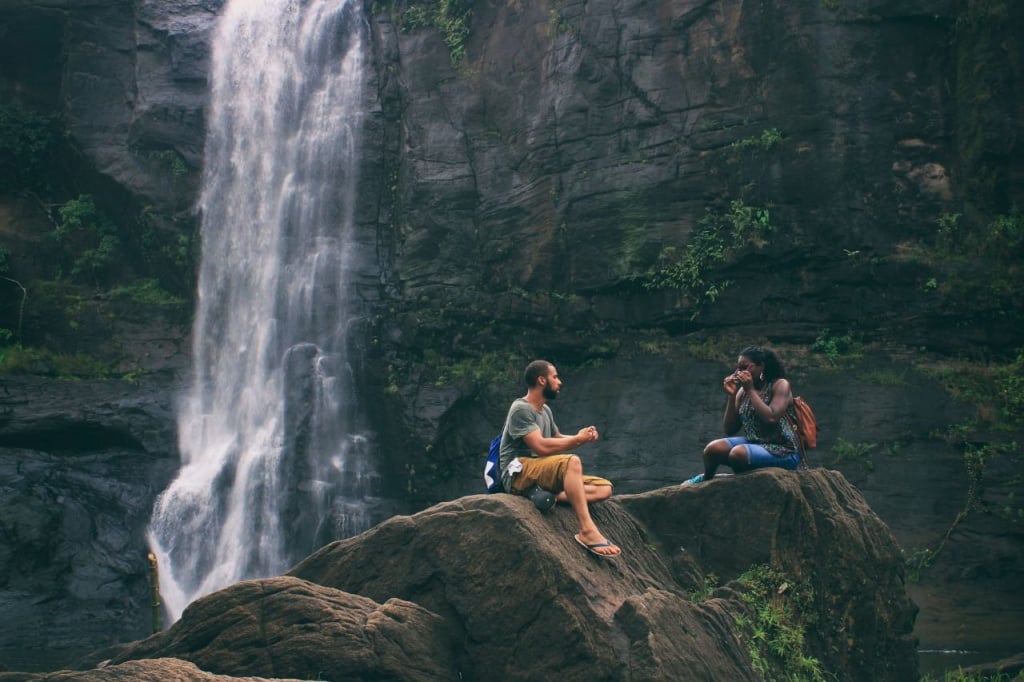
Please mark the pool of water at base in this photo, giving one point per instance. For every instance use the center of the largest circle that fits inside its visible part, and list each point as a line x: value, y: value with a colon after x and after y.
x: 937, y: 662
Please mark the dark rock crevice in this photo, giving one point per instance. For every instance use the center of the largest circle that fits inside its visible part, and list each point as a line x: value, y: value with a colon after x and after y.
x: 70, y: 438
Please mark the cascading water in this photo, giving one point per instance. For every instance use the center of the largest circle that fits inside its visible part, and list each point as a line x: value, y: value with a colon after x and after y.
x: 273, y: 463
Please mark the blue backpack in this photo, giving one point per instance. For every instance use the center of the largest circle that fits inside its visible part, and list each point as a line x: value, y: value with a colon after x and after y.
x: 492, y: 467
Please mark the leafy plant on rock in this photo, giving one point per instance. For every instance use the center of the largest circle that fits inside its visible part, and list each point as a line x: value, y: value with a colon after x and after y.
x: 148, y: 292
x: 62, y: 366
x: 977, y: 263
x: 781, y: 613
x: 834, y: 347
x: 450, y: 18
x: 171, y: 160
x: 768, y: 139
x: 717, y: 240
x: 995, y: 391
x: 87, y: 240
x: 709, y: 583
x: 846, y: 451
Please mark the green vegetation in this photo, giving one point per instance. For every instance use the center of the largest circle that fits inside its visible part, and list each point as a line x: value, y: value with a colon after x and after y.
x: 489, y: 368
x: 836, y: 348
x: 63, y: 366
x: 26, y: 141
x: 994, y: 389
x: 767, y: 140
x: 147, y: 291
x: 958, y: 240
x: 775, y: 632
x: 717, y: 240
x: 656, y: 346
x: 69, y: 307
x: 72, y: 304
x: 451, y: 18
x: 717, y: 348
x: 975, y: 459
x: 959, y: 675
x: 708, y: 585
x: 168, y: 249
x: 845, y: 451
x: 87, y: 241
x: 171, y: 160
x: 558, y: 24
x: 992, y: 392
x: 975, y: 263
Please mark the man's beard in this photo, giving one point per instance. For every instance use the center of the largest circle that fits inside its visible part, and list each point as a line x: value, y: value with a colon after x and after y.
x: 550, y: 393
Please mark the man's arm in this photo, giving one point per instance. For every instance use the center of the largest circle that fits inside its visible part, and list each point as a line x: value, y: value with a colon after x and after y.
x: 556, y: 445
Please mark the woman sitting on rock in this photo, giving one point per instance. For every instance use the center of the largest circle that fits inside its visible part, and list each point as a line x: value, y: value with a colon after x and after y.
x: 757, y: 409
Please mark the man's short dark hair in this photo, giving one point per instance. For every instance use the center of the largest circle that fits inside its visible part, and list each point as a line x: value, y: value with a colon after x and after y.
x: 536, y: 370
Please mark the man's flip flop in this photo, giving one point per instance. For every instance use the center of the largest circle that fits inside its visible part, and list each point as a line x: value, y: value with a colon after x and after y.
x: 593, y: 548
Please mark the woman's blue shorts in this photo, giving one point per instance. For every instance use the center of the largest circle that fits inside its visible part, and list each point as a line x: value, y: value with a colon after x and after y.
x: 759, y: 457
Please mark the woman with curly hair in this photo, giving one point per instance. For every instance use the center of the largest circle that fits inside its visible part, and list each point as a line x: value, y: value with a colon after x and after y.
x: 757, y: 418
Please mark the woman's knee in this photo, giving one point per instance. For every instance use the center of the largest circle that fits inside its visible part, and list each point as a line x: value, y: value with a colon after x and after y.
x: 717, y: 447
x: 738, y: 457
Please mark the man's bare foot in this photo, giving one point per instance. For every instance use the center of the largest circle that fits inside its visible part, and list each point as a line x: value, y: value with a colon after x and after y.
x: 597, y: 544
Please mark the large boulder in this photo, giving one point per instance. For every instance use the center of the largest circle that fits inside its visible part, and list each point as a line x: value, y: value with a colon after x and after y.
x: 814, y: 526
x: 285, y: 627
x: 511, y: 581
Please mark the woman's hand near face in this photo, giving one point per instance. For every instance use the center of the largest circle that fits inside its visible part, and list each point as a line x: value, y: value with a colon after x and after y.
x: 745, y: 379
x: 731, y: 384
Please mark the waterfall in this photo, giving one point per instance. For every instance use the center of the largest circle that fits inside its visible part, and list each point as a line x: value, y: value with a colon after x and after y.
x: 273, y: 459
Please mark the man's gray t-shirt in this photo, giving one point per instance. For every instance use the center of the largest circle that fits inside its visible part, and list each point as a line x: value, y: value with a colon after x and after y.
x: 522, y: 419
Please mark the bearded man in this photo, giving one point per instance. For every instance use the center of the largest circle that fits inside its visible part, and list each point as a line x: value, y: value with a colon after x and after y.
x: 534, y: 456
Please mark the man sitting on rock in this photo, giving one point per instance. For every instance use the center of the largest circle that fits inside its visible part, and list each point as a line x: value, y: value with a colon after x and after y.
x: 533, y: 459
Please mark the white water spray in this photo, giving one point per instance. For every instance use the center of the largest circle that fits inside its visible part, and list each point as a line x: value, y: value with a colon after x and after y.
x: 271, y: 455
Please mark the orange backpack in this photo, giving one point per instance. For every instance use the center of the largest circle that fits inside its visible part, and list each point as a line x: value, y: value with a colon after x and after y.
x: 804, y: 423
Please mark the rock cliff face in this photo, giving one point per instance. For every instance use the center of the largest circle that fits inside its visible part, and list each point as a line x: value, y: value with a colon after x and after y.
x: 557, y: 192
x: 77, y: 482
x: 487, y: 586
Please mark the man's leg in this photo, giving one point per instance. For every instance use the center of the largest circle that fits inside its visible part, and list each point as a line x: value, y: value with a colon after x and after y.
x: 597, y: 493
x: 594, y: 493
x: 576, y: 494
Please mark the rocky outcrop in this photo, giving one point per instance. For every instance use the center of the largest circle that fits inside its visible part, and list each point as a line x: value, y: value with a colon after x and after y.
x: 154, y: 670
x: 487, y: 586
x: 284, y: 627
x: 78, y: 478
x: 510, y: 581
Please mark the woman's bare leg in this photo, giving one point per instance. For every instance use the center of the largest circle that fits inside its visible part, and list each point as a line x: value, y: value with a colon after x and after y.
x: 739, y: 458
x: 716, y: 453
